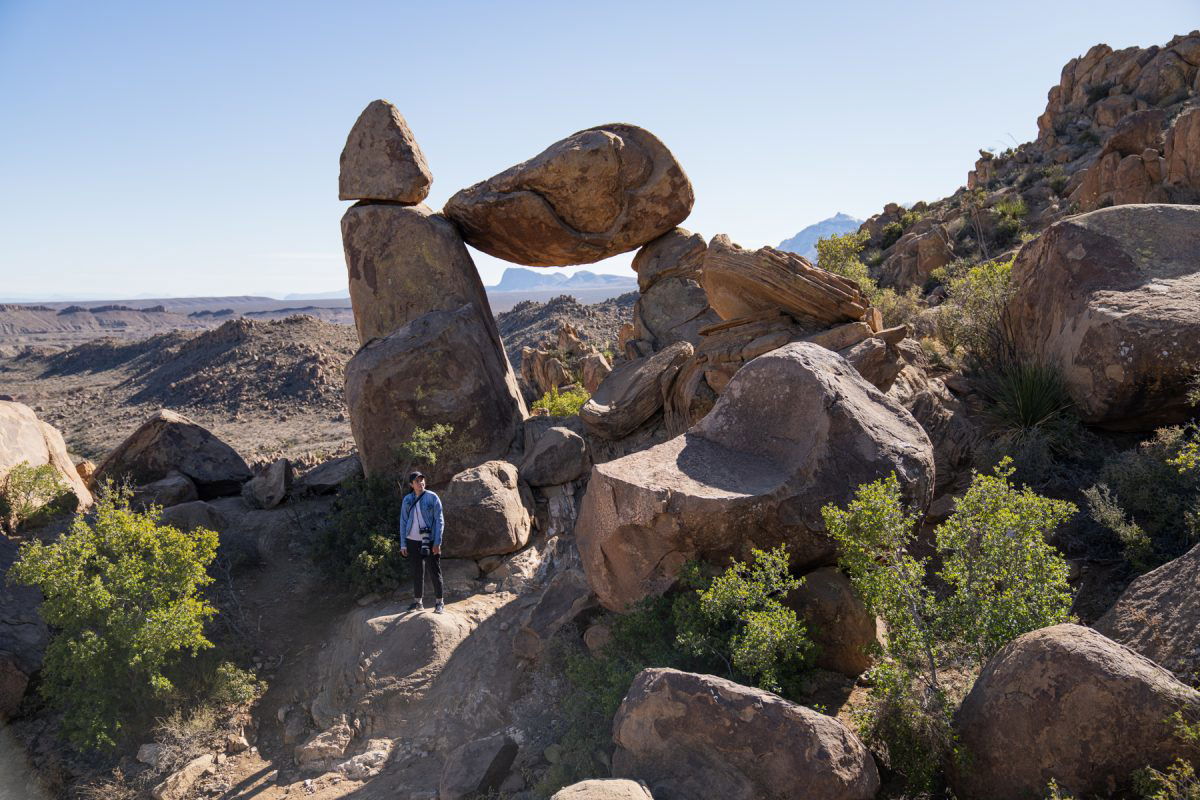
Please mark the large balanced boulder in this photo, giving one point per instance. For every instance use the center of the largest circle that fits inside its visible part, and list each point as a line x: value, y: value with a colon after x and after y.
x: 382, y: 160
x: 740, y: 283
x: 489, y: 511
x: 25, y: 439
x: 633, y: 392
x: 1066, y: 703
x: 688, y: 736
x: 171, y: 442
x: 1159, y: 616
x: 443, y: 367
x: 405, y: 261
x: 795, y: 429
x: 1112, y: 298
x: 597, y: 193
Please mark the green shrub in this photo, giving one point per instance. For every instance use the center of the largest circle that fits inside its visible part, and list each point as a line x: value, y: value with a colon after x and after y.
x: 733, y: 624
x: 1056, y: 176
x: 30, y: 494
x: 1001, y: 580
x: 841, y: 256
x: 973, y: 320
x: 1107, y: 513
x: 564, y: 404
x: 424, y: 447
x: 122, y: 595
x: 360, y: 547
x: 890, y: 234
x: 1180, y: 781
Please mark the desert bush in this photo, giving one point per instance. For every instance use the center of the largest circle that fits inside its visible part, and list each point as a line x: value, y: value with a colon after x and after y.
x: 122, y: 595
x: 841, y: 255
x: 1179, y: 781
x: 563, y: 404
x: 29, y: 494
x: 890, y: 234
x: 424, y: 447
x: 1001, y: 579
x: 973, y: 318
x: 1107, y: 513
x: 1057, y: 178
x: 733, y: 624
x: 360, y: 546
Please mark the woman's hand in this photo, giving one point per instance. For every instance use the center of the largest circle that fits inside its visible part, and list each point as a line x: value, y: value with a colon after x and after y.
x: 436, y: 550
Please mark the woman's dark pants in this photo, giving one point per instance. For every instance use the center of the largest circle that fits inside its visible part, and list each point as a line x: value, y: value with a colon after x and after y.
x: 417, y: 565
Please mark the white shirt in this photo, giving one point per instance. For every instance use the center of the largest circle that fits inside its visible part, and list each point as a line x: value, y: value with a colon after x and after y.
x: 418, y: 522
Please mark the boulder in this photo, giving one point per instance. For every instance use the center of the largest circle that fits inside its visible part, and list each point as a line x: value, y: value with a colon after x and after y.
x: 1136, y: 132
x: 593, y: 369
x: 179, y: 784
x: 382, y: 160
x: 633, y: 392
x: 673, y: 310
x: 269, y: 488
x: 23, y: 633
x: 603, y: 789
x: 740, y: 283
x: 477, y: 767
x: 196, y: 514
x: 877, y: 360
x: 1158, y: 615
x: 675, y: 254
x: 599, y: 192
x: 560, y: 456
x: 1183, y: 151
x: 688, y: 736
x: 795, y: 429
x: 944, y: 418
x: 328, y: 476
x: 1110, y: 298
x: 542, y: 370
x: 405, y: 261
x: 170, y: 491
x: 914, y: 257
x: 368, y: 763
x: 168, y: 441
x: 444, y: 367
x: 324, y: 749
x: 838, y: 622
x: 565, y: 598
x: 26, y: 439
x: 487, y: 512
x: 1068, y: 704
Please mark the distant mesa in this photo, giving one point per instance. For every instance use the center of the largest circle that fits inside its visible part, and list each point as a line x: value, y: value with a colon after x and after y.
x: 804, y: 243
x: 517, y: 279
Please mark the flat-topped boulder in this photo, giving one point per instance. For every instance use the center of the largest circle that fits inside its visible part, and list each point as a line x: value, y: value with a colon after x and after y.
x: 794, y: 429
x: 168, y: 442
x: 1112, y: 298
x: 382, y: 160
x: 441, y: 368
x: 597, y: 193
x: 688, y: 736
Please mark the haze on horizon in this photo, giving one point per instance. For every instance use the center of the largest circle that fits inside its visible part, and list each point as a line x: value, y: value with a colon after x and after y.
x: 168, y: 150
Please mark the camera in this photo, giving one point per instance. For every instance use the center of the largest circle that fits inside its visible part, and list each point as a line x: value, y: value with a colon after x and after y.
x: 424, y: 549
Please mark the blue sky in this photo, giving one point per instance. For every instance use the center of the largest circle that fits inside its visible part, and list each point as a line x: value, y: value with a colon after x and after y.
x: 185, y: 148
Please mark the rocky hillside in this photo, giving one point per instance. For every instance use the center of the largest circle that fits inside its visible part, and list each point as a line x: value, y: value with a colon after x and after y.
x: 1121, y: 126
x: 530, y: 324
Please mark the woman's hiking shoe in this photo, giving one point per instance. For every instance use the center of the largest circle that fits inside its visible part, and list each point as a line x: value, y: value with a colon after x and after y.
x: 417, y: 605
x: 439, y: 607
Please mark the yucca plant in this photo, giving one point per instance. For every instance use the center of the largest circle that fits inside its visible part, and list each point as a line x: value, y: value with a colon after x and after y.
x: 1032, y: 418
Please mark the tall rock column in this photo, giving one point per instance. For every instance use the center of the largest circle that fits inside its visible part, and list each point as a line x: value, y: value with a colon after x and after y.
x: 431, y: 350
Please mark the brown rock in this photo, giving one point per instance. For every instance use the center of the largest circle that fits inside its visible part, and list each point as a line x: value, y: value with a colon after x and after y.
x: 633, y: 392
x: 914, y: 257
x: 593, y: 369
x: 13, y: 682
x: 675, y: 254
x: 271, y: 487
x: 565, y: 598
x: 477, y: 767
x: 599, y: 192
x: 382, y: 160
x: 168, y: 441
x: 876, y: 360
x: 196, y: 514
x: 1159, y: 616
x: 1183, y: 150
x: 328, y: 476
x: 487, y: 512
x: 560, y: 456
x: 1137, y: 132
x: 405, y: 261
x: 324, y: 749
x: 838, y: 622
x: 1110, y: 298
x: 609, y: 789
x: 178, y: 784
x: 673, y: 310
x: 732, y: 483
x: 1068, y: 704
x: 943, y: 417
x: 688, y: 736
x: 442, y: 368
x: 26, y: 439
x: 172, y: 490
x: 740, y: 283
x: 543, y: 371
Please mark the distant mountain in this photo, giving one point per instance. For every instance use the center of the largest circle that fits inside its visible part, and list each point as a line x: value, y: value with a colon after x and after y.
x: 519, y: 279
x: 335, y: 295
x: 804, y: 243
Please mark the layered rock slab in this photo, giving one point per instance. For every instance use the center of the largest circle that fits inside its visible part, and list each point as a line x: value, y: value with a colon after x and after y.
x: 443, y: 367
x: 1112, y: 298
x: 633, y: 392
x: 689, y: 736
x: 1068, y: 704
x: 382, y: 160
x: 795, y: 429
x: 597, y: 193
x: 168, y: 442
x: 405, y: 261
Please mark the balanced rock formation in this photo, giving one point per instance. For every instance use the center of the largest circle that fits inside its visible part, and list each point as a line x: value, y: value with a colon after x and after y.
x: 489, y: 511
x: 168, y: 442
x: 444, y: 367
x: 740, y: 283
x: 1110, y: 298
x: 405, y: 261
x: 1066, y: 703
x: 633, y: 392
x: 1159, y: 616
x: 382, y: 160
x: 688, y: 736
x: 672, y: 307
x: 25, y: 439
x: 732, y: 482
x: 597, y: 193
